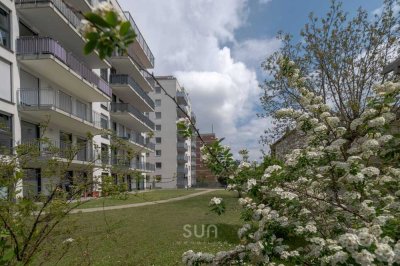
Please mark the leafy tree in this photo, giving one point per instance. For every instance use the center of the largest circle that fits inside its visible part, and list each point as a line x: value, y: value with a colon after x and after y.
x: 339, y: 58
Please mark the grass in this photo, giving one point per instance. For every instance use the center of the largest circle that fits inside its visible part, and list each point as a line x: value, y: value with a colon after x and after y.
x: 153, y: 195
x: 149, y: 235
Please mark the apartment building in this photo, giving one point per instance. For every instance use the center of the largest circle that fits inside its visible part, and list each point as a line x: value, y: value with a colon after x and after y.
x: 174, y: 155
x: 47, y: 79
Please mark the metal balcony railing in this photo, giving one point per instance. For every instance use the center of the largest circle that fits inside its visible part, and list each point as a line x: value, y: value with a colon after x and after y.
x: 44, y: 45
x: 140, y: 39
x: 60, y: 6
x: 127, y: 80
x: 181, y: 145
x: 181, y: 158
x: 56, y: 148
x: 182, y: 98
x: 38, y: 99
x: 151, y: 146
x: 125, y: 107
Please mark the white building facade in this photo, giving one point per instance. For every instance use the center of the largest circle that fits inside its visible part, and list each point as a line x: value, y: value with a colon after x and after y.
x: 174, y: 155
x: 47, y: 79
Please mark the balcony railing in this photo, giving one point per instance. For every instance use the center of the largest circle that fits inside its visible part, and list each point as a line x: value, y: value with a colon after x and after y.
x: 60, y: 6
x: 125, y: 107
x: 120, y: 161
x: 151, y: 145
x: 182, y: 95
x: 127, y: 80
x: 181, y: 158
x: 37, y: 99
x: 56, y: 148
x: 182, y: 144
x: 45, y: 45
x: 140, y: 39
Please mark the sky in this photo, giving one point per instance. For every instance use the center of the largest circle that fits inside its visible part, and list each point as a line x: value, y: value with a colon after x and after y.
x: 215, y: 48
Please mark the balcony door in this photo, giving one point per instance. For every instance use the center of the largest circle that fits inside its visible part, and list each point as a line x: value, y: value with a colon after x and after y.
x: 65, y: 145
x: 29, y: 132
x: 29, y: 91
x: 82, y: 154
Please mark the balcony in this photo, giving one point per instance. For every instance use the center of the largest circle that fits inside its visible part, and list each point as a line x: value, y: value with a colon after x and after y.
x: 126, y: 114
x: 124, y: 63
x: 182, y: 98
x: 182, y: 114
x: 181, y: 146
x: 193, y: 117
x: 181, y: 158
x: 48, y: 58
x: 137, y: 142
x: 55, y: 19
x: 124, y: 163
x: 81, y: 5
x: 181, y: 170
x: 140, y: 47
x: 62, y: 110
x: 72, y: 153
x: 126, y: 88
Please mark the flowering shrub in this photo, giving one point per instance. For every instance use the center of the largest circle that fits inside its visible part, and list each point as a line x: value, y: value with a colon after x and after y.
x: 217, y: 205
x: 334, y: 202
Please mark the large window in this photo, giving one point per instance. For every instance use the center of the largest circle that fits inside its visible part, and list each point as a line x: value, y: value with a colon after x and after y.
x: 104, y: 124
x: 5, y: 78
x: 5, y: 28
x: 6, y: 140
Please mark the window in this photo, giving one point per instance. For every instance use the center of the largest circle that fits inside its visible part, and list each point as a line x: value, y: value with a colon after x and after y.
x: 157, y: 103
x: 104, y: 74
x: 158, y: 165
x: 158, y: 127
x: 5, y: 28
x: 158, y: 115
x: 104, y: 124
x: 5, y: 77
x: 158, y: 90
x: 157, y: 178
x: 158, y: 140
x: 5, y: 134
x: 158, y: 152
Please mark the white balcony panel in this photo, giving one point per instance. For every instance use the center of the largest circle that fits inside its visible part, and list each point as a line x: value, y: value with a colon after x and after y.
x: 54, y: 19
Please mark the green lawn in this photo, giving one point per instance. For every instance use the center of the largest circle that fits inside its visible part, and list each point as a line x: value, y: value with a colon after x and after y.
x: 153, y: 195
x: 148, y: 235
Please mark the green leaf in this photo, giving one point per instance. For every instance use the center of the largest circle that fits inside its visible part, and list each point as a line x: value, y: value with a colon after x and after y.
x: 89, y: 47
x: 92, y: 36
x: 112, y: 18
x: 96, y: 20
x: 124, y: 28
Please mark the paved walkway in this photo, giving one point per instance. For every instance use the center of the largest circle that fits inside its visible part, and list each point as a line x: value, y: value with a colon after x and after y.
x: 133, y: 205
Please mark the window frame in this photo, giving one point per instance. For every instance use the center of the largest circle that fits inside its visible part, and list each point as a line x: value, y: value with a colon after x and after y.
x: 7, y: 31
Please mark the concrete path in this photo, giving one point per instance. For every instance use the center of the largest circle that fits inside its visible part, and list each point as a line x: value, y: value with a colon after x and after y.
x: 133, y: 205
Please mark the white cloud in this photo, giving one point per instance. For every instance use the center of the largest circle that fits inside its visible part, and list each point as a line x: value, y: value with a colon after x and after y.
x: 186, y: 37
x: 254, y: 51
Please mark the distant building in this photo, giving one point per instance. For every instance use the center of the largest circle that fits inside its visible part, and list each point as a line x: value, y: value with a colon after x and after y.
x: 173, y: 153
x: 292, y: 139
x: 204, y: 175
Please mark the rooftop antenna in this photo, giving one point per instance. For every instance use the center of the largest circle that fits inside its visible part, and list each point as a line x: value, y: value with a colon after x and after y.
x: 212, y: 128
